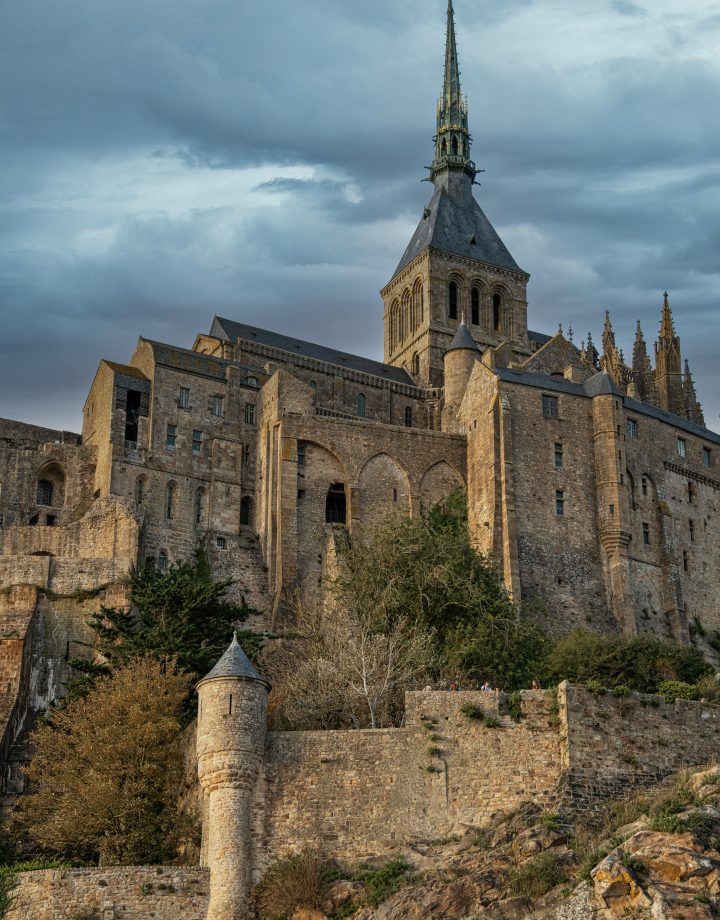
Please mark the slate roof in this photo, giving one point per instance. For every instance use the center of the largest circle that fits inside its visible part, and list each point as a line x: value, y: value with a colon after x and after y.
x: 230, y: 331
x: 462, y: 339
x: 185, y: 359
x: 125, y: 369
x: 235, y: 663
x: 450, y: 227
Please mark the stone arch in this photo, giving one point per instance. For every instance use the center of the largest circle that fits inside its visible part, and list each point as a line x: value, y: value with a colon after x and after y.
x: 418, y: 302
x: 322, y: 469
x: 437, y: 483
x: 50, y: 491
x: 454, y: 296
x: 394, y: 324
x: 383, y: 488
x: 500, y: 309
x: 406, y: 314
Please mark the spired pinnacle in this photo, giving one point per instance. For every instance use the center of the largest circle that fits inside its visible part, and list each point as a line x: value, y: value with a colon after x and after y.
x: 452, y: 141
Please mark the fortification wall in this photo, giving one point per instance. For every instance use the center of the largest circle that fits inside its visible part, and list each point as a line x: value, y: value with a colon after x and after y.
x: 116, y: 893
x: 613, y: 744
x: 356, y: 794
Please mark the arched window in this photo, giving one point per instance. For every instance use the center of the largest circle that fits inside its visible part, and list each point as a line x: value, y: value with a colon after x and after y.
x: 408, y: 313
x: 497, y: 318
x: 361, y: 405
x: 453, y: 300
x: 170, y: 500
x: 140, y: 489
x: 162, y: 560
x: 419, y: 306
x: 199, y: 506
x: 335, y: 504
x: 44, y: 492
x: 475, y: 306
x: 444, y: 147
x: 416, y: 365
x: 245, y: 511
x: 313, y: 387
x: 408, y: 416
x: 455, y: 146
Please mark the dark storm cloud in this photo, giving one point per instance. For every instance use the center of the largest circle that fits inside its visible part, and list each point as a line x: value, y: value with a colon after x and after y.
x: 165, y: 161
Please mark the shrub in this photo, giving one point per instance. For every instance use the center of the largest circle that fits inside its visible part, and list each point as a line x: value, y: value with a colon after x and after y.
x: 595, y: 687
x: 435, y: 752
x: 289, y: 883
x: 537, y: 876
x: 678, y: 690
x: 384, y: 882
x: 471, y: 711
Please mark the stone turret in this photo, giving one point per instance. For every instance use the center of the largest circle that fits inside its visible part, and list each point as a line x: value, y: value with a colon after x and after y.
x: 458, y: 362
x: 232, y: 722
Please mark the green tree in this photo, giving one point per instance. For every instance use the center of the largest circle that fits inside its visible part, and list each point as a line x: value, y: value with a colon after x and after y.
x: 181, y: 613
x: 107, y: 768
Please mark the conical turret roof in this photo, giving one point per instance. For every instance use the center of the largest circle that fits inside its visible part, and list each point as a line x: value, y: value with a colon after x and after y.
x: 463, y: 339
x: 235, y: 663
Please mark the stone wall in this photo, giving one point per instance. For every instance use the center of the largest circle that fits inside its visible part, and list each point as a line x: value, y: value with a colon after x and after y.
x: 115, y: 893
x: 356, y: 794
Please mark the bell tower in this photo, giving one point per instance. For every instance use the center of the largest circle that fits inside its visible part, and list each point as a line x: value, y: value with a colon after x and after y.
x: 455, y: 263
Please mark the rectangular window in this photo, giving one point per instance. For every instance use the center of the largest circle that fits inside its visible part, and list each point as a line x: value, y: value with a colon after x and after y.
x: 558, y: 455
x: 171, y: 437
x: 301, y: 454
x: 681, y: 447
x: 221, y: 542
x: 197, y: 443
x: 184, y: 398
x: 707, y: 457
x: 560, y: 503
x: 646, y: 534
x: 550, y: 406
x: 631, y: 428
x: 218, y: 405
x: 644, y: 486
x: 246, y: 454
x: 249, y: 413
x: 691, y: 523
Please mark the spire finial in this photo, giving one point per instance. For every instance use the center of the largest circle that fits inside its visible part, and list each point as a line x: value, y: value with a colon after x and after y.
x: 571, y: 333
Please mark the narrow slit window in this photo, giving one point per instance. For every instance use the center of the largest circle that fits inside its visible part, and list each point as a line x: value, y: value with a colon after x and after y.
x: 646, y: 533
x: 184, y: 398
x: 452, y: 300
x: 682, y: 447
x: 560, y: 503
x: 408, y: 417
x: 361, y: 405
x: 475, y: 306
x: 558, y: 455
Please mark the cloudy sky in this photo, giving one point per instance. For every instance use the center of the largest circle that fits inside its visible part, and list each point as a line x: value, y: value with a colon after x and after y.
x: 165, y: 160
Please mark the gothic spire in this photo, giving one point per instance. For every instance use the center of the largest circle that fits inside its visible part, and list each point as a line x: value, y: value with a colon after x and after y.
x: 452, y: 141
x: 642, y: 373
x: 693, y: 409
x: 668, y: 364
x: 667, y: 326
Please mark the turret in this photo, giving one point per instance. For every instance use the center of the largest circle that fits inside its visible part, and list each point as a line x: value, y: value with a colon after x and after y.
x: 458, y: 362
x: 231, y: 729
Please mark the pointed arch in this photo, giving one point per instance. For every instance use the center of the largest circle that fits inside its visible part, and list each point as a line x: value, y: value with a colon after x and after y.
x: 383, y: 488
x: 418, y: 301
x: 50, y: 490
x: 437, y: 482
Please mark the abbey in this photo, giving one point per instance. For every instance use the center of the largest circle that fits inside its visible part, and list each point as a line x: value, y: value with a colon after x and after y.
x: 592, y: 482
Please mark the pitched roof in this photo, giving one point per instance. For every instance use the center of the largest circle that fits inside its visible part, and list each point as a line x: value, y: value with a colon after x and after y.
x: 462, y: 339
x: 234, y: 663
x: 230, y: 331
x: 452, y: 227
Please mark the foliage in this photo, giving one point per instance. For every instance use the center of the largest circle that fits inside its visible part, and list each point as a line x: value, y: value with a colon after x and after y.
x: 640, y: 663
x: 471, y: 711
x: 181, y: 613
x: 9, y: 874
x: 678, y: 690
x: 293, y: 882
x: 106, y: 771
x: 537, y: 876
x: 384, y: 882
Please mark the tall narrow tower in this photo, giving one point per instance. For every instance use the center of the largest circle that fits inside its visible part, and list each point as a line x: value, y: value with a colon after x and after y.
x: 455, y: 263
x: 231, y: 729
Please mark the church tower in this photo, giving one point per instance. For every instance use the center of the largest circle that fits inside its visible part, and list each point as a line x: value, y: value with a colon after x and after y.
x: 455, y: 263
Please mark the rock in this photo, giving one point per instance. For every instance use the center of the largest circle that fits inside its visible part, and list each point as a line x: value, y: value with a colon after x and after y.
x: 705, y: 780
x: 339, y: 894
x: 627, y: 830
x: 308, y: 913
x: 535, y: 840
x: 618, y: 887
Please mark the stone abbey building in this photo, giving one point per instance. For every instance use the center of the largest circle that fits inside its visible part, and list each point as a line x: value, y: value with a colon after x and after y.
x: 593, y: 482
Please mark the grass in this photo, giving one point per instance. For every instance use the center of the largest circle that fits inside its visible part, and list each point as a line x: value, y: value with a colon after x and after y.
x: 471, y: 711
x: 537, y: 876
x: 384, y: 882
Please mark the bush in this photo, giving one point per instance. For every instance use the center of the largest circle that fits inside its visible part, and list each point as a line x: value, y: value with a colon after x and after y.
x: 293, y: 882
x: 678, y: 690
x: 537, y: 876
x: 471, y: 711
x: 384, y: 882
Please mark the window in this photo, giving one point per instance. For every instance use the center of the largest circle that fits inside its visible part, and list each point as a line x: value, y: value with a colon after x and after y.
x: 707, y: 457
x: 162, y: 560
x: 50, y: 520
x: 246, y: 453
x: 612, y: 510
x: 560, y: 503
x: 171, y: 437
x: 313, y: 387
x: 245, y: 511
x: 139, y: 489
x: 221, y: 542
x: 197, y: 443
x: 44, y: 493
x: 199, y: 506
x: 170, y: 500
x: 361, y: 406
x: 691, y: 525
x: 249, y: 413
x: 644, y: 486
x: 550, y: 406
x: 301, y: 454
x: 691, y: 492
x: 394, y: 495
x: 132, y: 413
x: 631, y: 428
x: 252, y: 382
x: 497, y: 317
x: 184, y: 398
x: 685, y: 560
x: 475, y: 306
x: 452, y: 300
x: 408, y: 416
x: 558, y: 455
x: 416, y: 365
x: 646, y: 533
x: 681, y: 447
x: 218, y: 406
x: 335, y: 504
